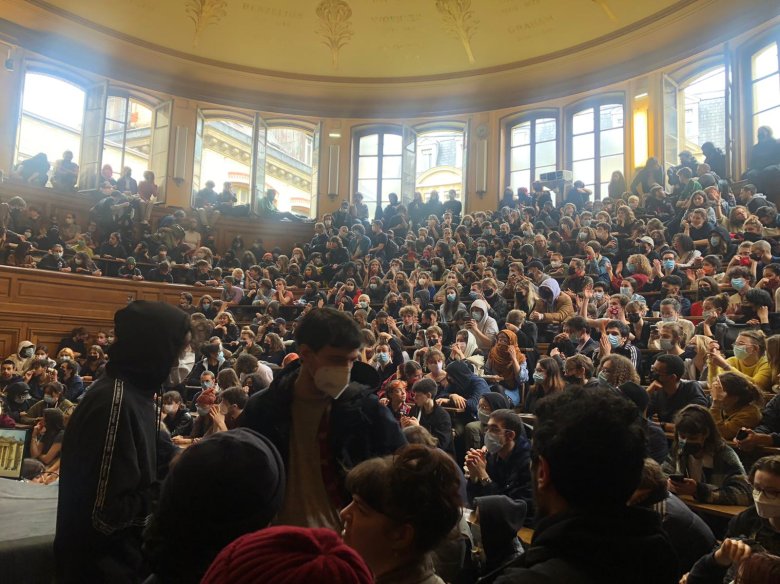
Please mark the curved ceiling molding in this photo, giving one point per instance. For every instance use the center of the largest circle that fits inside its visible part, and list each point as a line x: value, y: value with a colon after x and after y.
x: 376, y: 58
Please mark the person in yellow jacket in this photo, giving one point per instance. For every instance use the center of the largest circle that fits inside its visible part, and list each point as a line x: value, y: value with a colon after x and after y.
x: 736, y: 404
x: 749, y: 360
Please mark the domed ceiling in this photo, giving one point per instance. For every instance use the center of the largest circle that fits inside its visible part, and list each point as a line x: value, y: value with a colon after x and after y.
x: 376, y: 39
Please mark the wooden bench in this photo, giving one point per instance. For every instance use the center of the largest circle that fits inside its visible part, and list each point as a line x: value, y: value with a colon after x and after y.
x: 727, y: 511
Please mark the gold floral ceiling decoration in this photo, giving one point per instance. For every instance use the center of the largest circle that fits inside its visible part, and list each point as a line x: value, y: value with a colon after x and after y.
x: 203, y: 13
x: 334, y: 26
x: 372, y: 39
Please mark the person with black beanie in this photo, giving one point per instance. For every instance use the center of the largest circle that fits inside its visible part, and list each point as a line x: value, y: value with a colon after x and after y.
x: 108, y: 467
x: 241, y: 467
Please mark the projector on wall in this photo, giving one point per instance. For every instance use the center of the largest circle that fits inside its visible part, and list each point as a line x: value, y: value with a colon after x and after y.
x: 556, y: 175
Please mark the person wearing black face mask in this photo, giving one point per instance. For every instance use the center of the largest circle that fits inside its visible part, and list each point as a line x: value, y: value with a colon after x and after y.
x: 497, y: 303
x: 702, y: 465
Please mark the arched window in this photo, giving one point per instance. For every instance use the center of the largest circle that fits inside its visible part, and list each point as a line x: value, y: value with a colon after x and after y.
x: 439, y: 165
x: 765, y: 89
x: 291, y: 168
x: 127, y: 138
x: 224, y: 155
x: 703, y: 108
x: 596, y: 144
x: 532, y: 146
x: 378, y: 164
x: 52, y: 117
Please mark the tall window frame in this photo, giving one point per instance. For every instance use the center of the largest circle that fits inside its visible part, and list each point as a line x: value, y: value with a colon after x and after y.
x: 762, y: 94
x: 32, y: 75
x: 592, y: 144
x: 527, y: 158
x: 427, y: 153
x: 377, y: 157
x: 120, y: 122
x: 302, y: 160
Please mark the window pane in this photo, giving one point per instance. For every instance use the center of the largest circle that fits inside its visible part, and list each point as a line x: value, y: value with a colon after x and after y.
x: 227, y: 156
x: 439, y: 161
x: 584, y: 170
x: 52, y: 117
x: 769, y: 118
x: 765, y: 61
x: 369, y: 145
x: 368, y: 188
x: 521, y: 178
x: 583, y: 147
x: 612, y: 142
x: 582, y: 122
x: 766, y: 93
x: 611, y: 116
x: 390, y: 186
x: 545, y: 154
x: 521, y: 134
x: 545, y: 129
x: 116, y: 108
x: 368, y: 167
x: 392, y: 144
x: 610, y: 164
x: 521, y: 158
x: 391, y: 167
x: 140, y: 116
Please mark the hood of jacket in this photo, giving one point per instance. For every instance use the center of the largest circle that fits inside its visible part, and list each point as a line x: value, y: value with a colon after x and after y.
x: 499, y: 520
x: 482, y: 305
x: 553, y: 286
x: 23, y: 345
x: 149, y: 338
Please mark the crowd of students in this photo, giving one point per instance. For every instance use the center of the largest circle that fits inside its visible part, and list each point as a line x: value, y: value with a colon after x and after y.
x: 514, y: 347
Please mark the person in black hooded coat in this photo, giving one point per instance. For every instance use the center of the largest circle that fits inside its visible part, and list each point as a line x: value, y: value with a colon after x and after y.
x: 109, y: 454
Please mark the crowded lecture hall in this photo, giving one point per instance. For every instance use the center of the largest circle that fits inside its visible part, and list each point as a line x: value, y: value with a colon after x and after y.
x: 402, y: 292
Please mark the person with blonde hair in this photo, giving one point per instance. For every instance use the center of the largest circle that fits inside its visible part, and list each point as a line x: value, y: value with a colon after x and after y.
x: 749, y: 360
x: 695, y: 357
x: 736, y: 404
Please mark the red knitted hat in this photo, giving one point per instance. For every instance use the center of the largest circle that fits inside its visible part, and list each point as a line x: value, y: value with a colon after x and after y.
x: 288, y: 555
x: 207, y: 397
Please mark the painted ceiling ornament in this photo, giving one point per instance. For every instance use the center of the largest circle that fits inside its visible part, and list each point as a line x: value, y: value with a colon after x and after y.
x: 335, y: 27
x: 204, y: 13
x: 459, y: 20
x: 605, y: 7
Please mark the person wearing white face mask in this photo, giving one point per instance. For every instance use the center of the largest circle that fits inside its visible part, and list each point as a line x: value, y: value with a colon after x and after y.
x: 175, y: 415
x: 756, y: 529
x: 323, y: 417
x: 503, y: 466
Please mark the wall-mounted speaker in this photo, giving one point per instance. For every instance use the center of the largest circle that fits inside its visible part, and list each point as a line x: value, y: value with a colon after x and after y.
x: 180, y: 153
x: 333, y: 169
x: 481, y: 166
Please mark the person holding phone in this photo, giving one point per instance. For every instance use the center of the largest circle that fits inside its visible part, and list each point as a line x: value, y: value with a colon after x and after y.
x: 701, y: 464
x: 736, y: 404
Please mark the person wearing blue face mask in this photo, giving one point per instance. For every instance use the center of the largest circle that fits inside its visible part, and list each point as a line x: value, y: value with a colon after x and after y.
x: 503, y: 466
x: 615, y: 340
x: 741, y: 279
x: 668, y: 267
x: 749, y: 360
x: 53, y: 397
